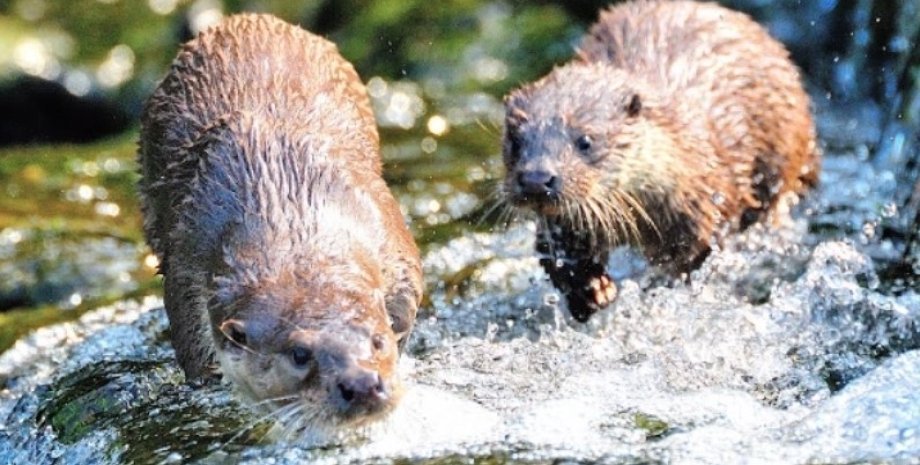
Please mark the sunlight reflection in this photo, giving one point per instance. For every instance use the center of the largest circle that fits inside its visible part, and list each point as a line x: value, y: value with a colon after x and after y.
x: 162, y: 7
x: 34, y: 57
x: 118, y: 66
x: 204, y: 13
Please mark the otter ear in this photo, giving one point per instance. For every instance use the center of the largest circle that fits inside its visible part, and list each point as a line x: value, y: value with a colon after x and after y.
x: 401, y: 309
x: 515, y: 113
x: 235, y: 331
x: 634, y: 106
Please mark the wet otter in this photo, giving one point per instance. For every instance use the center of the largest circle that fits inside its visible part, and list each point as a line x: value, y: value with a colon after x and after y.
x: 675, y: 123
x: 287, y: 264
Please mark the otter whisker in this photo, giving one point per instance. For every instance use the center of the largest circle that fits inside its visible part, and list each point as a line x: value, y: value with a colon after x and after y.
x: 631, y: 232
x: 543, y: 228
x: 289, y: 428
x: 252, y: 424
x: 508, y: 215
x: 273, y: 400
x: 602, y: 219
x: 497, y: 204
x: 584, y: 217
x: 573, y: 210
x: 490, y: 129
x: 308, y: 421
x: 499, y: 199
x: 603, y: 222
x: 640, y: 209
x: 619, y: 208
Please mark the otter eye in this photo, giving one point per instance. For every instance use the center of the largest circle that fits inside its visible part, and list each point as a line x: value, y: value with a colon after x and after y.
x: 378, y: 341
x: 514, y: 146
x: 634, y: 106
x: 583, y: 143
x: 300, y: 356
x: 234, y: 331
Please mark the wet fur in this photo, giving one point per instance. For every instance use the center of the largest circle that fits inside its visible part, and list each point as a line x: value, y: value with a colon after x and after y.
x: 698, y: 121
x: 262, y: 196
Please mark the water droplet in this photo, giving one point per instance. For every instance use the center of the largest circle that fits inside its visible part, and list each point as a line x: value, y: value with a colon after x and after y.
x: 162, y: 7
x: 107, y: 209
x: 889, y: 210
x: 718, y: 198
x: 868, y: 230
x: 84, y: 193
x: 438, y: 125
x: 429, y: 145
x: 151, y: 261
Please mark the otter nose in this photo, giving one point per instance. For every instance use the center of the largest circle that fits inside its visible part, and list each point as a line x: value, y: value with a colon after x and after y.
x: 362, y: 390
x: 539, y: 182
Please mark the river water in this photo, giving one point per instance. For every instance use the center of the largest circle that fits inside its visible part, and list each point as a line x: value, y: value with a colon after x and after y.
x: 783, y: 348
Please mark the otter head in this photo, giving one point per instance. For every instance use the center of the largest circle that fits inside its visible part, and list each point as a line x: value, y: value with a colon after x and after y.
x: 574, y: 144
x: 313, y: 344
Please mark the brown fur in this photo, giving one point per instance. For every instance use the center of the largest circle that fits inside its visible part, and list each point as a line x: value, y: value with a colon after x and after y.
x: 262, y: 196
x: 696, y: 122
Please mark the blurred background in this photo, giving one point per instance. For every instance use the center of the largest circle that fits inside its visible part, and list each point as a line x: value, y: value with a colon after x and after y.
x: 74, y: 75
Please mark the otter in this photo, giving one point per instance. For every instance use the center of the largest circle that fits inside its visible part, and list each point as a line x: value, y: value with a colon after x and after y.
x: 675, y: 123
x: 288, y: 267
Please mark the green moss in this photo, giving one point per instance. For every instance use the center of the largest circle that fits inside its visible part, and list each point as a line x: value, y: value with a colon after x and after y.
x: 98, y: 396
x: 152, y: 412
x: 37, y: 181
x: 16, y: 323
x: 654, y: 427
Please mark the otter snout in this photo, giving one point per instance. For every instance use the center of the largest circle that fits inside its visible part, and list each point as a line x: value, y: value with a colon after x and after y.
x: 361, y: 391
x: 539, y: 183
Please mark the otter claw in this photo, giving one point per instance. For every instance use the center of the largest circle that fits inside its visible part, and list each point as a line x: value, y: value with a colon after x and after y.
x: 604, y: 290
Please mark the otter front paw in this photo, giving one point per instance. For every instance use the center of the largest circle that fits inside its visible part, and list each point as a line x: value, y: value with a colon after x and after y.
x: 587, y: 300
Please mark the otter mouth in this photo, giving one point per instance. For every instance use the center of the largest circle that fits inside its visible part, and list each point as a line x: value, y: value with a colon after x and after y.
x: 538, y: 190
x: 542, y: 204
x: 363, y: 415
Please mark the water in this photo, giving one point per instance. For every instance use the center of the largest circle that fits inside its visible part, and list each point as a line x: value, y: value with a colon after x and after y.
x: 820, y: 366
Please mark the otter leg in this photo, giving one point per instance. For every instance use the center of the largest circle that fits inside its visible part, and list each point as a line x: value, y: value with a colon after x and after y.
x: 577, y: 268
x: 188, y: 328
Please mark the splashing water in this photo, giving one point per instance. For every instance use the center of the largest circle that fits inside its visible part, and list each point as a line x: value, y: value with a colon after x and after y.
x: 779, y: 349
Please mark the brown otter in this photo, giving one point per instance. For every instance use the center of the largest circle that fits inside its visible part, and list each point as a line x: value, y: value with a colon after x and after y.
x: 287, y: 264
x: 676, y: 122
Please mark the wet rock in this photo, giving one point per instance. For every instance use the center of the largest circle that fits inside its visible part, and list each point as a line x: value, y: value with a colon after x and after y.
x: 42, y: 267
